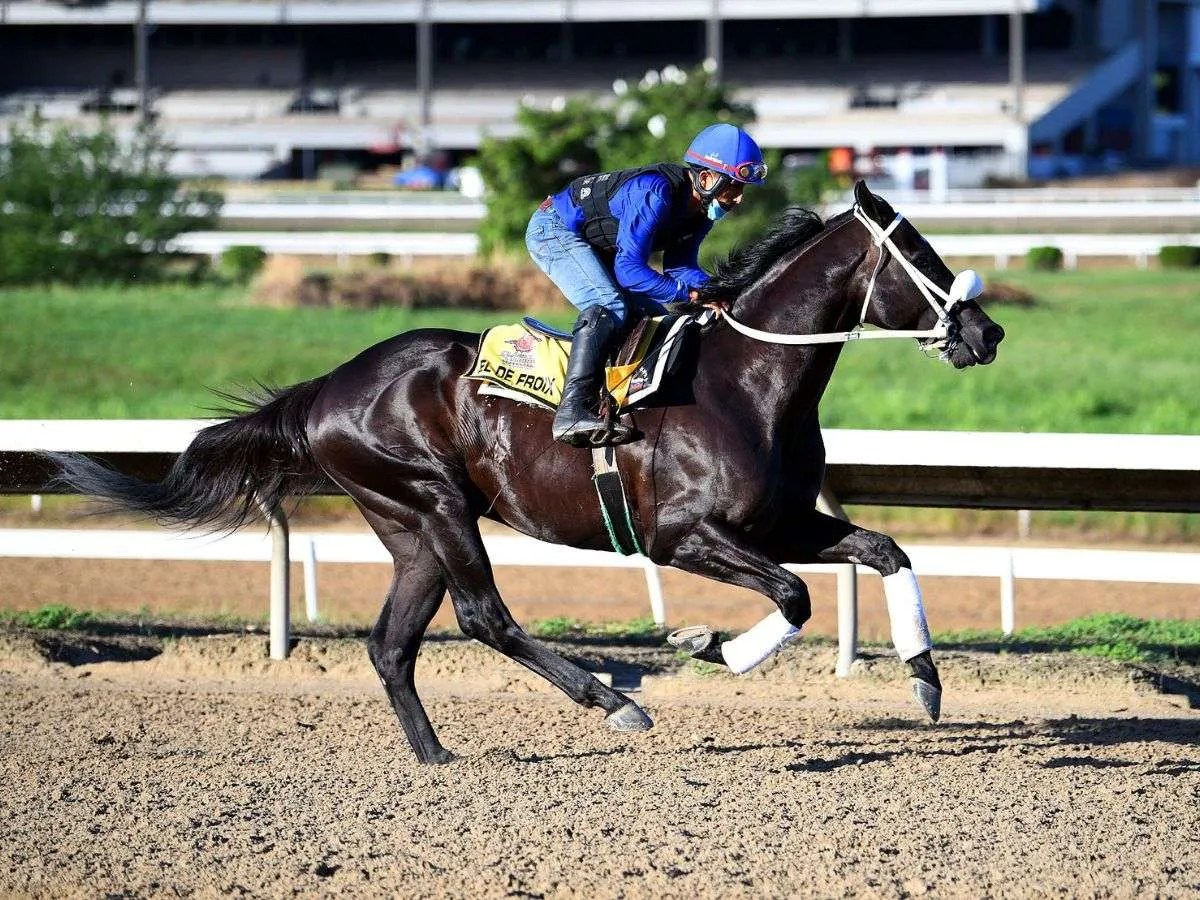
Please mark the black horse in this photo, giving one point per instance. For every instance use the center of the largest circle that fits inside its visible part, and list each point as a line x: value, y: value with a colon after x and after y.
x: 724, y: 487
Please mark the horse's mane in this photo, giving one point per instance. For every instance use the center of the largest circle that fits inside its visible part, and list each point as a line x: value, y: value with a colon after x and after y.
x: 749, y: 262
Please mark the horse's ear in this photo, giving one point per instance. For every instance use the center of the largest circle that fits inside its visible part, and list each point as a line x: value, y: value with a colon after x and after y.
x: 863, y: 197
x: 875, y: 207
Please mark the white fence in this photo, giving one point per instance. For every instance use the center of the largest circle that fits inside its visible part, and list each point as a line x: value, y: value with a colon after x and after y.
x: 306, y: 207
x: 1007, y: 564
x: 987, y: 205
x: 1001, y: 247
x: 962, y: 469
x: 331, y: 243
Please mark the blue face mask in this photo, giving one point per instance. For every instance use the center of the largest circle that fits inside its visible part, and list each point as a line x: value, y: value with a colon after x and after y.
x: 715, y: 211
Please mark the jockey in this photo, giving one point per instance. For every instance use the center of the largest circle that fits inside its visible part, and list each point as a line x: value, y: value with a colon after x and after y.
x: 594, y: 240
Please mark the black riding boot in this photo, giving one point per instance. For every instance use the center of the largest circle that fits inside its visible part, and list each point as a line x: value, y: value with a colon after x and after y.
x: 577, y: 421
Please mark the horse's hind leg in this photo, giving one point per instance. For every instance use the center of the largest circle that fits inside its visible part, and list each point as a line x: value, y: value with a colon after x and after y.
x: 415, y: 595
x: 482, y: 615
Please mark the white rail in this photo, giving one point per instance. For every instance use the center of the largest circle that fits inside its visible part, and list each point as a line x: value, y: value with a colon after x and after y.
x: 1008, y: 564
x: 1132, y: 471
x: 1000, y: 247
x: 1023, y: 204
x: 331, y: 243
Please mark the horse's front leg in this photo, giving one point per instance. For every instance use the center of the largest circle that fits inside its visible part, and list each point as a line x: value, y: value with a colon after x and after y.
x: 717, y: 552
x: 817, y: 537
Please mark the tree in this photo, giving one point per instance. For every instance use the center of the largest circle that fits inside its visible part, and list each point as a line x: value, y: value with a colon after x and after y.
x: 647, y: 122
x: 86, y: 207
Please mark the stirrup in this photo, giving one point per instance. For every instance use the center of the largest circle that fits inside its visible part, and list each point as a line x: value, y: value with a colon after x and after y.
x: 613, y: 435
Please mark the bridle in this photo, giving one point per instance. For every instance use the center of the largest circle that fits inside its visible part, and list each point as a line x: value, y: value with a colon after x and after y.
x: 967, y: 286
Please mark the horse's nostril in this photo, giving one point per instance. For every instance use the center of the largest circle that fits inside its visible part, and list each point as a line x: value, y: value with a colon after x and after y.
x: 993, y: 335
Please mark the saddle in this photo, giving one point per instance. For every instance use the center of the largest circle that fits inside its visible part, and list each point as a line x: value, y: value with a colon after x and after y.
x: 527, y: 361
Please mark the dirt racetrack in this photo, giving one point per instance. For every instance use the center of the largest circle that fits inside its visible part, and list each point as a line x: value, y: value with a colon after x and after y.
x: 136, y: 766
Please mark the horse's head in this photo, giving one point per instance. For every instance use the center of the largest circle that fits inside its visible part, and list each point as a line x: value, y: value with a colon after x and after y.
x: 904, y: 285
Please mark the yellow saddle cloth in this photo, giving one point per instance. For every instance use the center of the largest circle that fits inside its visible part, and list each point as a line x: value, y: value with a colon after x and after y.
x: 521, y: 362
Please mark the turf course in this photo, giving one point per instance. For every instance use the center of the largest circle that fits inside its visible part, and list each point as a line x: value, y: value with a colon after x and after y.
x: 1100, y: 351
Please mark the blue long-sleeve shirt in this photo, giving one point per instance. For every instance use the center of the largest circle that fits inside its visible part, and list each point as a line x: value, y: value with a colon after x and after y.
x: 642, y: 205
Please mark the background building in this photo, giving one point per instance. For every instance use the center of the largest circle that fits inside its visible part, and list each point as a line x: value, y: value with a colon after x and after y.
x: 248, y: 88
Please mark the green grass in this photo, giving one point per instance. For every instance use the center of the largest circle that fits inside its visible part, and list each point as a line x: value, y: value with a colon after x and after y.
x: 52, y: 617
x: 152, y: 352
x: 1111, y: 635
x: 1101, y: 351
x: 565, y: 627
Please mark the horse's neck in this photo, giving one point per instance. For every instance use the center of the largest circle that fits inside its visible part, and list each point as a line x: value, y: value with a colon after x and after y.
x: 804, y: 294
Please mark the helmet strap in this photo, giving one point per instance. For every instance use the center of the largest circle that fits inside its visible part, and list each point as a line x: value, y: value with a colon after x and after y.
x: 723, y: 181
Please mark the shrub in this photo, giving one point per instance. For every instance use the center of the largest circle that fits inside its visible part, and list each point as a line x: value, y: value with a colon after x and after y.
x: 91, y: 207
x: 1044, y: 259
x: 501, y: 285
x: 56, y: 617
x: 1005, y: 293
x: 1179, y: 256
x: 381, y: 259
x: 243, y: 261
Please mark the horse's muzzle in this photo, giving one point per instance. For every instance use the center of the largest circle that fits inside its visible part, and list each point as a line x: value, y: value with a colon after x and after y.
x: 979, y: 337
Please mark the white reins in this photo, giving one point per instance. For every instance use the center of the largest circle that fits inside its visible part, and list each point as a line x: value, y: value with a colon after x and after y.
x: 967, y: 286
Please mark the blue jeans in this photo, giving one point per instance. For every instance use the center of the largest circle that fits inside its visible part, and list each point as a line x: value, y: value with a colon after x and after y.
x: 576, y: 270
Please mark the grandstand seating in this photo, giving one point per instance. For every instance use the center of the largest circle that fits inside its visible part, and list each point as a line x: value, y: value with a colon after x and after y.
x: 279, y: 76
x: 803, y: 103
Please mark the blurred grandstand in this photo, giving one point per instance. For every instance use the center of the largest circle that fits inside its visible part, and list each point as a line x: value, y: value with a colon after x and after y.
x: 290, y: 89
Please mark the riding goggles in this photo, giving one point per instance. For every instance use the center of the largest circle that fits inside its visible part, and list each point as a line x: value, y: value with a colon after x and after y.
x: 750, y: 171
x: 747, y: 172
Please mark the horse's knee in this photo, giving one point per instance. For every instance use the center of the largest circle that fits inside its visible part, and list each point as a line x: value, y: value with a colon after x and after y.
x: 795, y: 603
x: 879, y: 552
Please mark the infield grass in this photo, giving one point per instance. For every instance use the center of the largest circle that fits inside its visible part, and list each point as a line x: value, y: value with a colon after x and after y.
x: 1111, y: 635
x: 1099, y: 351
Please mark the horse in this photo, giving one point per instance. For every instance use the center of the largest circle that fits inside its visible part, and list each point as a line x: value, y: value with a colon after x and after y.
x: 724, y: 486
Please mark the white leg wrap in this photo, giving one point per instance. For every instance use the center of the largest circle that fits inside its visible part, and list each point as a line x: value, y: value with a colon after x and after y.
x: 910, y: 631
x: 747, y: 650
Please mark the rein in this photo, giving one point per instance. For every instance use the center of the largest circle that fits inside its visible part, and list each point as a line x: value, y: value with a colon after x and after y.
x: 967, y: 286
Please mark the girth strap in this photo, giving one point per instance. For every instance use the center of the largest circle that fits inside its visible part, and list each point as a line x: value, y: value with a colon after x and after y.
x: 614, y: 506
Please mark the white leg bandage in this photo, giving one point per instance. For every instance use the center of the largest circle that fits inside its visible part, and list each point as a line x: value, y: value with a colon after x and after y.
x: 747, y: 650
x: 910, y: 631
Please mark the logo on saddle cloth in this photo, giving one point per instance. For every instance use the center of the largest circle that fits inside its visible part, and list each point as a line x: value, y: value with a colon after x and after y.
x: 519, y: 362
x: 518, y: 359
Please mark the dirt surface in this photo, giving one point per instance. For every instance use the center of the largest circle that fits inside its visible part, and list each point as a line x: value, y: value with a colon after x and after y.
x: 136, y: 766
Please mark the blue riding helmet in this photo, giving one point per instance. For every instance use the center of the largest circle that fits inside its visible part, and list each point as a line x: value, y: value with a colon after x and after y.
x: 728, y: 151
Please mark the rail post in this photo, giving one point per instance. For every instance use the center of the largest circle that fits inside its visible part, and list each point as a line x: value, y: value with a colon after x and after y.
x: 847, y: 591
x: 1008, y: 598
x: 281, y: 613
x: 310, y: 580
x: 847, y: 606
x: 658, y: 608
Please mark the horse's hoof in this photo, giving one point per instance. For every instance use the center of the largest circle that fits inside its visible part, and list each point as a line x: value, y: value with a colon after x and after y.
x: 440, y: 757
x: 629, y: 717
x: 691, y: 640
x: 699, y: 642
x: 929, y: 697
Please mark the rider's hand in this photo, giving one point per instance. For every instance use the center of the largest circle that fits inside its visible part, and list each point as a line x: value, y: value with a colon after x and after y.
x: 718, y: 306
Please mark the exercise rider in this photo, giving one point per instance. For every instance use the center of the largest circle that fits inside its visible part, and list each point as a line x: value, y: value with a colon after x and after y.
x: 594, y: 240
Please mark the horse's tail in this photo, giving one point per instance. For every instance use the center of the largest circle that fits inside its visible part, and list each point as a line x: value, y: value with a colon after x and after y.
x: 230, y: 473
